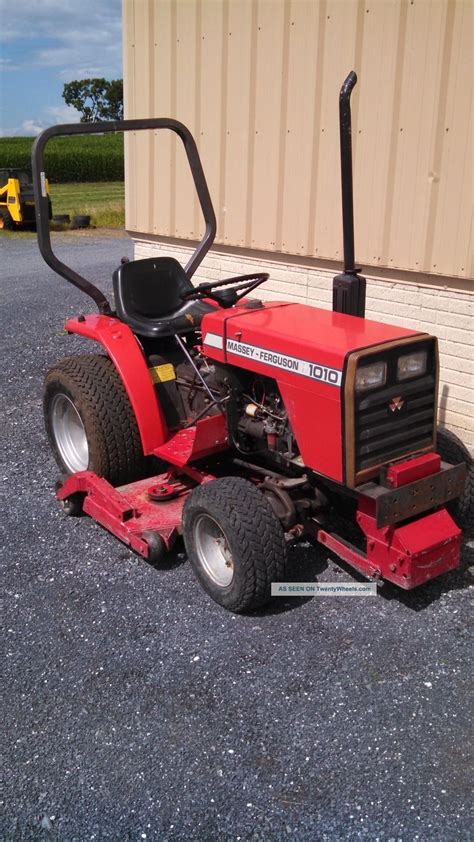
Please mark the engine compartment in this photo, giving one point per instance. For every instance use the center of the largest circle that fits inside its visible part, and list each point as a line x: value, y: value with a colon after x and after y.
x: 189, y: 387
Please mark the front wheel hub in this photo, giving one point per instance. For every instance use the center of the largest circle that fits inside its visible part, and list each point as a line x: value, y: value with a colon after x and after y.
x: 213, y: 550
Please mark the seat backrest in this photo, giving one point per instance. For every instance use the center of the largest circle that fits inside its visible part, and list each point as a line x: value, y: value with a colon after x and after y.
x: 149, y: 288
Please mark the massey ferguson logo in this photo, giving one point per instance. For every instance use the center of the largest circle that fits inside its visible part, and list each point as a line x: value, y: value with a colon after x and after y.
x: 396, y: 404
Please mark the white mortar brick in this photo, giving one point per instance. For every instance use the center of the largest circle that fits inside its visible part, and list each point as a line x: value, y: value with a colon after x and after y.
x: 455, y: 320
x: 460, y: 392
x: 456, y: 377
x: 454, y: 405
x: 464, y: 306
x: 442, y: 312
x: 458, y: 365
x: 458, y: 349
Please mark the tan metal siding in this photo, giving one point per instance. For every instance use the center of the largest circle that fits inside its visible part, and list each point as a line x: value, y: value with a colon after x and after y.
x: 257, y: 82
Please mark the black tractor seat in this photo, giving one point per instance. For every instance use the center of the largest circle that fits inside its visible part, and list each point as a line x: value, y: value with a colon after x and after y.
x: 148, y: 298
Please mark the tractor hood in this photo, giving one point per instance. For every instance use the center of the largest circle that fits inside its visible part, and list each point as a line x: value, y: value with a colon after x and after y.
x: 293, y: 338
x: 307, y: 351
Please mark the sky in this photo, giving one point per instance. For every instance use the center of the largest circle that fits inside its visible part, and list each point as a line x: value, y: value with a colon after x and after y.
x: 45, y: 43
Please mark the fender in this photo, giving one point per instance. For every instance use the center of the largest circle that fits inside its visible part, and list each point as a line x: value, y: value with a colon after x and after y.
x: 123, y: 348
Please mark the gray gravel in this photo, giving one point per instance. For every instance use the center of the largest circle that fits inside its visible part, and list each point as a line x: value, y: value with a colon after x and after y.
x: 135, y: 708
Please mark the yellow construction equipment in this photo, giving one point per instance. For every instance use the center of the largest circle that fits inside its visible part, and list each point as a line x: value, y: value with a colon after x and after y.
x: 17, y: 204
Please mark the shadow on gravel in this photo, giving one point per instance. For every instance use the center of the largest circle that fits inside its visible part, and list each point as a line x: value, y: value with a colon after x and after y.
x: 306, y: 561
x: 416, y: 600
x: 175, y: 558
x: 424, y: 596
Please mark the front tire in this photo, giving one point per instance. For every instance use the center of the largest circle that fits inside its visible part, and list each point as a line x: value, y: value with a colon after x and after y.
x: 235, y: 543
x: 90, y: 422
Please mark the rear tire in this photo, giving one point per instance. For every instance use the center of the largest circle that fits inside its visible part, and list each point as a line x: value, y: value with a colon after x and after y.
x: 235, y: 543
x: 90, y: 422
x: 452, y: 450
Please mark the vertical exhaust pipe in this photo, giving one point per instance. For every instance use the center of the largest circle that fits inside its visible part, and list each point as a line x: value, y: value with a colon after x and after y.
x: 348, y: 288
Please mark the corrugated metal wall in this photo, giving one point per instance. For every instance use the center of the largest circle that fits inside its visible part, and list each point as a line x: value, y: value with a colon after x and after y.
x: 257, y: 82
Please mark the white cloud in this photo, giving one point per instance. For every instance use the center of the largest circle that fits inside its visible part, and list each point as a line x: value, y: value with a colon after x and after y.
x: 74, y: 40
x: 50, y: 116
x: 71, y: 36
x: 63, y: 114
x: 30, y: 127
x: 53, y: 18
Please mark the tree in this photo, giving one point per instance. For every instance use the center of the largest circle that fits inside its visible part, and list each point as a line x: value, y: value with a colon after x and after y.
x: 95, y: 99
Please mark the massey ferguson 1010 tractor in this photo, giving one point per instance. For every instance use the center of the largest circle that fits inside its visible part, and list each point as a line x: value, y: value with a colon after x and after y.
x: 238, y: 423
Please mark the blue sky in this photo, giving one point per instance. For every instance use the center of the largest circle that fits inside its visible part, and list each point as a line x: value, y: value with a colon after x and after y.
x: 45, y: 43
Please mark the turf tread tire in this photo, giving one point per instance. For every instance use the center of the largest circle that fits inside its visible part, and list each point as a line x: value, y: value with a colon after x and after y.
x: 452, y: 450
x: 94, y: 385
x: 255, y: 536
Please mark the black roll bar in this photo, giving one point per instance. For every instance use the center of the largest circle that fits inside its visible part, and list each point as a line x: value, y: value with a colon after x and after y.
x: 41, y: 199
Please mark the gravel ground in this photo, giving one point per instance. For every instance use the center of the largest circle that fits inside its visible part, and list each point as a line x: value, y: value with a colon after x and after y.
x: 135, y: 708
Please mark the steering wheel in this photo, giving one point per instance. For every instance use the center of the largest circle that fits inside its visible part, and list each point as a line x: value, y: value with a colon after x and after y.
x: 242, y: 285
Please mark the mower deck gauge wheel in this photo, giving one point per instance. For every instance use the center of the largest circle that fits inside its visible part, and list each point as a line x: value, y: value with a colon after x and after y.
x: 156, y: 546
x: 71, y: 506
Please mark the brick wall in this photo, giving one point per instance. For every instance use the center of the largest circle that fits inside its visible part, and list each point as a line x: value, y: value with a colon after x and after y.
x: 443, y: 312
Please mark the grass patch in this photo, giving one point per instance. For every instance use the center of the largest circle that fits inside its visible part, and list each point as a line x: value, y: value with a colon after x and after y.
x: 103, y: 201
x: 79, y: 158
x: 18, y: 234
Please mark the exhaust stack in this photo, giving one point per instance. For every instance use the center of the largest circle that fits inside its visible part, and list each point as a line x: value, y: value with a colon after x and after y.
x: 348, y: 294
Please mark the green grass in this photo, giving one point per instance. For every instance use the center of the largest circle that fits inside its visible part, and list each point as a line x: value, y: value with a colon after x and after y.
x: 18, y: 234
x: 103, y: 201
x: 77, y: 158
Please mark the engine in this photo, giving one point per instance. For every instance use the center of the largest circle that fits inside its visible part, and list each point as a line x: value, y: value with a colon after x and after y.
x: 257, y: 419
x: 190, y: 387
x: 186, y: 386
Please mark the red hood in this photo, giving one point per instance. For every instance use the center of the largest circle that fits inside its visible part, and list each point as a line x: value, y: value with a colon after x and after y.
x: 300, y: 330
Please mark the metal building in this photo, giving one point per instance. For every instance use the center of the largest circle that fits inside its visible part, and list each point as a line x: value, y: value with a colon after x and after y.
x: 257, y: 83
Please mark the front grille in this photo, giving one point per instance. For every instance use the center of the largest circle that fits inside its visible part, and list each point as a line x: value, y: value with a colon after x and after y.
x: 381, y: 434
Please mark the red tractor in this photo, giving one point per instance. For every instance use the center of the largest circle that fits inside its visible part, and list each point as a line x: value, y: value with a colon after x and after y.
x: 238, y: 423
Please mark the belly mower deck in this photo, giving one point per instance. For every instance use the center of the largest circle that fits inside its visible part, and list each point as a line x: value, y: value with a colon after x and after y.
x: 147, y: 516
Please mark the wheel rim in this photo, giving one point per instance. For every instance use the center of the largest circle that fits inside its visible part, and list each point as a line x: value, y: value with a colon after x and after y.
x: 69, y: 434
x: 213, y: 551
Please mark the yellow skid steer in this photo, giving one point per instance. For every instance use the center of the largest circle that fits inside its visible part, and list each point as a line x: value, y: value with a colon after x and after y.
x: 17, y: 204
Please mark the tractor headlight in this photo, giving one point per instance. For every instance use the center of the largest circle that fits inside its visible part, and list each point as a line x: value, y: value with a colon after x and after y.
x: 370, y: 376
x: 412, y: 365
